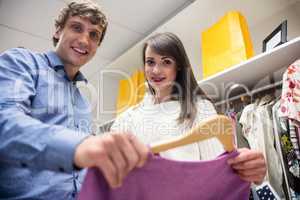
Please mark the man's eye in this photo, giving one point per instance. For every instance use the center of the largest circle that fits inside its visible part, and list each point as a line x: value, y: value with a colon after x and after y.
x: 95, y: 36
x: 76, y: 28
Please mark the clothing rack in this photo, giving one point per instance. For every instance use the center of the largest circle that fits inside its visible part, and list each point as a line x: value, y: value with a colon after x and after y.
x: 261, y: 89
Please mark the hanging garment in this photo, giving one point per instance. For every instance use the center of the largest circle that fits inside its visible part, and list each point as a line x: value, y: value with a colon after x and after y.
x: 171, y: 180
x: 252, y: 128
x: 289, y: 105
x: 289, y: 102
x: 286, y: 151
x: 258, y: 130
x: 288, y: 147
x: 295, y: 195
x: 242, y: 142
x: 266, y: 191
x: 295, y: 138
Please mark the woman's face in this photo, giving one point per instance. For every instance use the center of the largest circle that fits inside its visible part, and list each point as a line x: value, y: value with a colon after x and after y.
x: 160, y: 71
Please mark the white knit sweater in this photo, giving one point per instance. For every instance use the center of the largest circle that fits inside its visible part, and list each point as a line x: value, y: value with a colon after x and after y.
x: 156, y: 122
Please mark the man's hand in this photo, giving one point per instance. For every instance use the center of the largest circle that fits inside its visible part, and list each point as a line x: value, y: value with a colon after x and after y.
x: 114, y: 154
x: 250, y: 165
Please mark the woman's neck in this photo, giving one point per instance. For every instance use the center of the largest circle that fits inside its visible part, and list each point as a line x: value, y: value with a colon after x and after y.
x: 162, y: 96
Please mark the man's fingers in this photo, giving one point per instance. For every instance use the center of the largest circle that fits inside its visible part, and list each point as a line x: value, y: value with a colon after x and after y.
x: 141, y: 149
x: 109, y: 171
x: 128, y: 152
x: 114, y: 154
x: 117, y: 157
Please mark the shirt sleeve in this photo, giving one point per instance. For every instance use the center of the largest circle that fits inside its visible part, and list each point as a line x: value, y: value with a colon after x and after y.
x: 26, y: 141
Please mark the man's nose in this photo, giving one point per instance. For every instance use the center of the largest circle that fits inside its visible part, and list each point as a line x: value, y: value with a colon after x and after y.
x: 84, y: 38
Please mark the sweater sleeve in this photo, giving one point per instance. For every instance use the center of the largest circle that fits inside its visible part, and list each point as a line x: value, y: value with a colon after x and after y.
x: 211, y: 148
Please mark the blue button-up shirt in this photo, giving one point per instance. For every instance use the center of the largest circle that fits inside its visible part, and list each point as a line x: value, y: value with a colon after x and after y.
x: 43, y: 117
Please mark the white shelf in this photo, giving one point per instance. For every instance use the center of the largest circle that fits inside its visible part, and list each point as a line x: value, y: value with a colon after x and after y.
x: 252, y: 71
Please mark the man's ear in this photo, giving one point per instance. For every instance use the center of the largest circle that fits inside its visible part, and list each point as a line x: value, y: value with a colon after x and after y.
x: 57, y: 33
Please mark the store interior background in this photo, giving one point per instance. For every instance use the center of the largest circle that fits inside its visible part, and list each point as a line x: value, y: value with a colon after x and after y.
x: 30, y: 24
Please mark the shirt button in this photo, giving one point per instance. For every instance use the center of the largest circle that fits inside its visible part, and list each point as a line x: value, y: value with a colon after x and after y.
x: 61, y: 169
x: 73, y: 194
x: 24, y: 165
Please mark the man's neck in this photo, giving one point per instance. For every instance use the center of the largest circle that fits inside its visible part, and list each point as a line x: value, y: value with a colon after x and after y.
x: 71, y: 71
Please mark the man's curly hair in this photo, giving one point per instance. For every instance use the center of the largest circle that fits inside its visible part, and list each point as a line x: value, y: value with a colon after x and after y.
x: 82, y: 8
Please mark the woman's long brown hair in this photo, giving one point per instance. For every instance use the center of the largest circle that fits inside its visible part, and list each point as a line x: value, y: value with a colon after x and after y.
x: 186, y: 88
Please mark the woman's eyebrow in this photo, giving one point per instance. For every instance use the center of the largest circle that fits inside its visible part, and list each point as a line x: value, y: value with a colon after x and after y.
x: 166, y: 57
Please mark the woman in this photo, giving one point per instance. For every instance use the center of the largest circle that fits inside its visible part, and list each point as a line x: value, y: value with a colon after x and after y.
x: 175, y: 104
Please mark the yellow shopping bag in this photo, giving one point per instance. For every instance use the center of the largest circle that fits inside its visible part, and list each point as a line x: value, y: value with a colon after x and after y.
x: 140, y: 86
x: 131, y: 91
x: 125, y: 95
x: 225, y: 44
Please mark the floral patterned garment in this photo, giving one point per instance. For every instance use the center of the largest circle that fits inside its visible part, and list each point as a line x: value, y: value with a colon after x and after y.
x: 290, y: 102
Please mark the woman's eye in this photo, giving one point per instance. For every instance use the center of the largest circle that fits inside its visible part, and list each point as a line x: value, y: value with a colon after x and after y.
x: 167, y: 62
x: 149, y: 62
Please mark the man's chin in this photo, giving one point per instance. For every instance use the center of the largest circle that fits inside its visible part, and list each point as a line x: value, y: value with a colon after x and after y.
x: 79, y: 63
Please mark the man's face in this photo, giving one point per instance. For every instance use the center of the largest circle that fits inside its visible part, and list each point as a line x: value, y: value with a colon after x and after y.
x: 77, y: 41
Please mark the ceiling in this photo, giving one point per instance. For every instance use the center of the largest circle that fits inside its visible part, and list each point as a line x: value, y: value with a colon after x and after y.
x: 30, y: 24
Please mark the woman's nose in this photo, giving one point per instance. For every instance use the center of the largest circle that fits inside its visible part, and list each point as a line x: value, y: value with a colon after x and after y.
x: 156, y: 69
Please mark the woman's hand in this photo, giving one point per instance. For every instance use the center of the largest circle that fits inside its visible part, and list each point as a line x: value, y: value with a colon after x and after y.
x: 250, y: 165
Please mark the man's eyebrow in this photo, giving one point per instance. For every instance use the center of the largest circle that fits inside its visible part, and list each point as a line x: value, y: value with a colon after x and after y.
x: 80, y: 23
x: 96, y: 30
x: 74, y: 22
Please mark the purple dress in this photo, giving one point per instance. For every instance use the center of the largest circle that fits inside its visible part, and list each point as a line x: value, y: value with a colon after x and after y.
x: 171, y: 180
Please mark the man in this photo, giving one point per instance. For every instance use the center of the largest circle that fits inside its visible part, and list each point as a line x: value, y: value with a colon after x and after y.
x: 44, y: 142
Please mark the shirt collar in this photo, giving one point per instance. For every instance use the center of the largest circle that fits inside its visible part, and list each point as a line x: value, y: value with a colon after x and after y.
x: 80, y: 77
x: 56, y: 63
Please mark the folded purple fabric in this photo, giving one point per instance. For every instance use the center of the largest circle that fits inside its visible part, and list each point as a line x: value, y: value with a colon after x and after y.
x: 171, y: 180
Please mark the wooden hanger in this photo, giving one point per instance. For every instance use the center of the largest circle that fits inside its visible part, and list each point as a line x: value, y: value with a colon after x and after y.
x: 218, y: 126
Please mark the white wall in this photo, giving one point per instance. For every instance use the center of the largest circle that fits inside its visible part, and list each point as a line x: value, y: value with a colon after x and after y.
x: 105, y: 85
x: 18, y: 20
x: 22, y: 40
x: 260, y: 31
